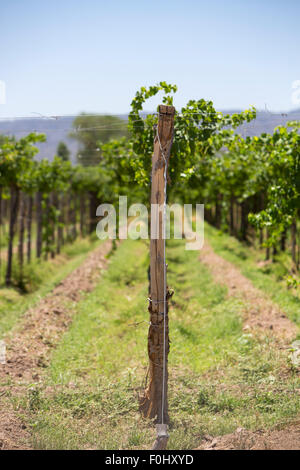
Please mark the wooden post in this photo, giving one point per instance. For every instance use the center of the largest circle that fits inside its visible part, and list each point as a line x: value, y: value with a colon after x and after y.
x: 21, y: 234
x: 29, y: 227
x: 294, y: 242
x: 14, y: 207
x: 151, y: 403
x: 39, y: 224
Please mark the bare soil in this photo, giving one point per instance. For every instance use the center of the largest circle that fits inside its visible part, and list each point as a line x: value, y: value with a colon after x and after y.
x: 261, y: 314
x: 29, y: 346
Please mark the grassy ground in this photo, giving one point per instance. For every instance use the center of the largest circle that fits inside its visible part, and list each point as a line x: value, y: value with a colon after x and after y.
x: 269, y: 277
x: 220, y: 377
x: 40, y: 277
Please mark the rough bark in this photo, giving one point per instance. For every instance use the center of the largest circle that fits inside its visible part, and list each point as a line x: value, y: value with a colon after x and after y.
x: 53, y: 206
x: 236, y: 219
x: 0, y: 227
x: 93, y: 204
x: 294, y: 241
x: 21, y: 235
x: 267, y: 247
x: 283, y: 241
x: 14, y: 205
x: 39, y: 224
x: 74, y: 216
x: 29, y: 227
x: 274, y: 253
x: 261, y: 207
x: 261, y: 237
x: 218, y: 212
x: 231, y: 225
x: 152, y: 402
x: 60, y: 231
x: 208, y: 215
x: 82, y: 210
x: 244, y: 220
x: 45, y: 229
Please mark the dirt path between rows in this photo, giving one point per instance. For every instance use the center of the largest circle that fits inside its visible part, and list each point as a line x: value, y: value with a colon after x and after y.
x: 30, y: 345
x: 287, y: 438
x: 261, y: 314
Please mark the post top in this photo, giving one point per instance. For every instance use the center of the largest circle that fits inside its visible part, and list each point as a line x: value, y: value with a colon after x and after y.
x: 164, y: 109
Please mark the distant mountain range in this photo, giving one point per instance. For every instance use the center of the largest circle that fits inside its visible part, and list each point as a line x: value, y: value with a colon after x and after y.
x: 59, y: 129
x: 55, y: 130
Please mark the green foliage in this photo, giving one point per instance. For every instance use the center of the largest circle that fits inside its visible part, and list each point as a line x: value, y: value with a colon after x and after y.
x: 16, y: 159
x: 208, y: 158
x: 194, y: 126
x: 63, y: 152
x: 210, y: 162
x: 280, y: 166
x: 219, y: 378
x: 92, y: 131
x: 209, y: 154
x: 49, y: 176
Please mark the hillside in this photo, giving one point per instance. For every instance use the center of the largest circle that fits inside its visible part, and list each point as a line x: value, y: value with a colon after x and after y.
x: 59, y: 129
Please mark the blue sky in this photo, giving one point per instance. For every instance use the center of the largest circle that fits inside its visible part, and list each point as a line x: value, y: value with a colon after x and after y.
x: 67, y: 56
